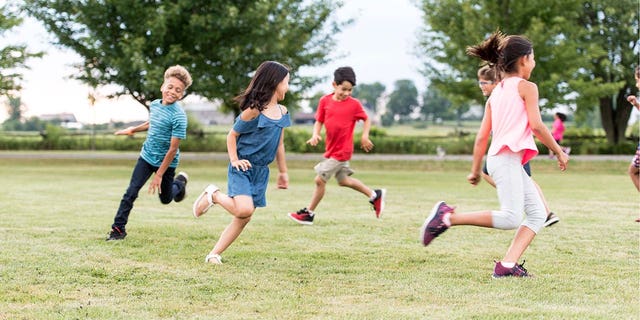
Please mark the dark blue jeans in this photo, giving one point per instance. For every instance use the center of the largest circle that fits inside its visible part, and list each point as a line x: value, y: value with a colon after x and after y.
x: 169, y: 188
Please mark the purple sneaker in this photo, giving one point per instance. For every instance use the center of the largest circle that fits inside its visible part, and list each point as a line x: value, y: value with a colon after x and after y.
x: 434, y: 225
x: 517, y: 271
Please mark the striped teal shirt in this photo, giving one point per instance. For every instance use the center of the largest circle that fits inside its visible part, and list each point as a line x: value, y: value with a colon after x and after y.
x: 165, y: 122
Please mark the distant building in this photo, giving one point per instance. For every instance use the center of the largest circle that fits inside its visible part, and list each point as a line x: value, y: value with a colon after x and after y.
x: 67, y: 120
x: 206, y: 112
x: 304, y: 117
x: 61, y: 117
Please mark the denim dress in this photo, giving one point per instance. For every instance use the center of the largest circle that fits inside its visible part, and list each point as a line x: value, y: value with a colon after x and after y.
x: 258, y: 142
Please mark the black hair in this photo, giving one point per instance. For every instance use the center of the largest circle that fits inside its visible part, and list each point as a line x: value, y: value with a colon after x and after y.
x: 561, y: 116
x: 502, y: 50
x: 262, y: 86
x: 344, y: 74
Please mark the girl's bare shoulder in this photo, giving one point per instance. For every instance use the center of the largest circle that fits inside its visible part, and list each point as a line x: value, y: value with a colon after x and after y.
x: 249, y: 114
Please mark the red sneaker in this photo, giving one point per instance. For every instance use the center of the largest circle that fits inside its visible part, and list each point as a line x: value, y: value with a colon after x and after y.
x: 378, y: 202
x: 302, y: 216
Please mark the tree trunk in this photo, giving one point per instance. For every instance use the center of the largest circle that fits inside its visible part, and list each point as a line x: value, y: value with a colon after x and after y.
x: 615, y: 117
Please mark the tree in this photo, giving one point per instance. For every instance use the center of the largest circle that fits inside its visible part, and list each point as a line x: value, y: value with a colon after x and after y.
x: 314, y: 100
x: 403, y: 100
x: 12, y: 57
x: 612, y: 30
x: 435, y: 105
x: 368, y: 94
x: 131, y: 43
x: 584, y: 50
x: 15, y: 108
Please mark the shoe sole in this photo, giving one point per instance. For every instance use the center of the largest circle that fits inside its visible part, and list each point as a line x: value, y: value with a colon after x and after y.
x: 209, y: 189
x: 551, y: 222
x: 185, y: 175
x: 186, y: 179
x: 423, y: 230
x: 306, y: 223
x: 495, y: 276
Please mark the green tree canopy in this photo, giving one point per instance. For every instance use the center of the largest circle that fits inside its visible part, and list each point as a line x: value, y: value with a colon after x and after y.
x: 131, y: 43
x: 585, y: 50
x: 368, y: 94
x: 435, y: 105
x: 404, y: 99
x: 12, y: 57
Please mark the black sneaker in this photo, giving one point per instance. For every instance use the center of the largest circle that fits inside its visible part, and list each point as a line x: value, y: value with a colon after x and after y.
x: 182, y: 177
x: 302, y: 216
x: 552, y: 219
x: 116, y: 234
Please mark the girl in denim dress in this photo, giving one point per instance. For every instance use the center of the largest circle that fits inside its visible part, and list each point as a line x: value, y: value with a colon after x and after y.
x: 255, y: 140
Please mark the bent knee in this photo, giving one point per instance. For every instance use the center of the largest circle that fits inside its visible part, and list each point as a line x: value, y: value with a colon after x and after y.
x: 506, y: 220
x: 244, y: 213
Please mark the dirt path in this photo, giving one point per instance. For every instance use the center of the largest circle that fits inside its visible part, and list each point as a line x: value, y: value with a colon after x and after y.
x: 291, y: 156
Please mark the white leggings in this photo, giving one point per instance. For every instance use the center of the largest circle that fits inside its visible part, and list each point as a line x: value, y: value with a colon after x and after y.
x: 516, y: 193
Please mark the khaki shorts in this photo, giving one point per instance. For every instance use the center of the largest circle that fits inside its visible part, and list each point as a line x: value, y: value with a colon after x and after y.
x: 330, y: 167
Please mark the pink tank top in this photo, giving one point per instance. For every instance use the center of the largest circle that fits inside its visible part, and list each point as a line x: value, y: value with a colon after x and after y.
x: 509, y: 121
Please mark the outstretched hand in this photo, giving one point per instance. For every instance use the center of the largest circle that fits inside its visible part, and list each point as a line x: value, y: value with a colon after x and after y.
x: 128, y: 131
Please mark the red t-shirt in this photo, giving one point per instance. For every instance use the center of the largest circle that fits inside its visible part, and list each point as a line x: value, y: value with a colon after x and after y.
x: 339, y: 119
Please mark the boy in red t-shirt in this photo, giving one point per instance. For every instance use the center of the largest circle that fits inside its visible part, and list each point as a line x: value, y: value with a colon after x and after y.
x: 339, y: 112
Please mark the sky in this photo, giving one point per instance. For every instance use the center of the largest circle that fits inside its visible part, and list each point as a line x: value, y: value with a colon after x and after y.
x: 379, y: 45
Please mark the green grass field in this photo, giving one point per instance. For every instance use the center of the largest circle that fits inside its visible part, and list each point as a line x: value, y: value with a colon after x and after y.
x: 55, y: 263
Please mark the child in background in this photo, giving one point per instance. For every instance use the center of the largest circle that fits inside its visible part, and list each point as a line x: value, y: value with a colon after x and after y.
x: 255, y: 140
x: 160, y: 152
x: 634, y: 167
x: 557, y: 131
x: 339, y: 112
x: 487, y: 80
x: 512, y: 117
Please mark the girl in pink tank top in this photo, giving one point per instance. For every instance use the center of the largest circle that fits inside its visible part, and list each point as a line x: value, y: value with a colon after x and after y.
x: 513, y: 115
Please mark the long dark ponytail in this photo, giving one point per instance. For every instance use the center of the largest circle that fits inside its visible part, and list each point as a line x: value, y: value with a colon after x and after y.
x: 502, y: 51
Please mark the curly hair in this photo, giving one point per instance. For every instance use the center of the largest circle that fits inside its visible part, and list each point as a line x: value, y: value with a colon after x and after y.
x: 180, y: 73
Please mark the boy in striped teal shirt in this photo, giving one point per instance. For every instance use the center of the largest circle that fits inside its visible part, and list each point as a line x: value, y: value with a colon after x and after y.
x: 160, y: 153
